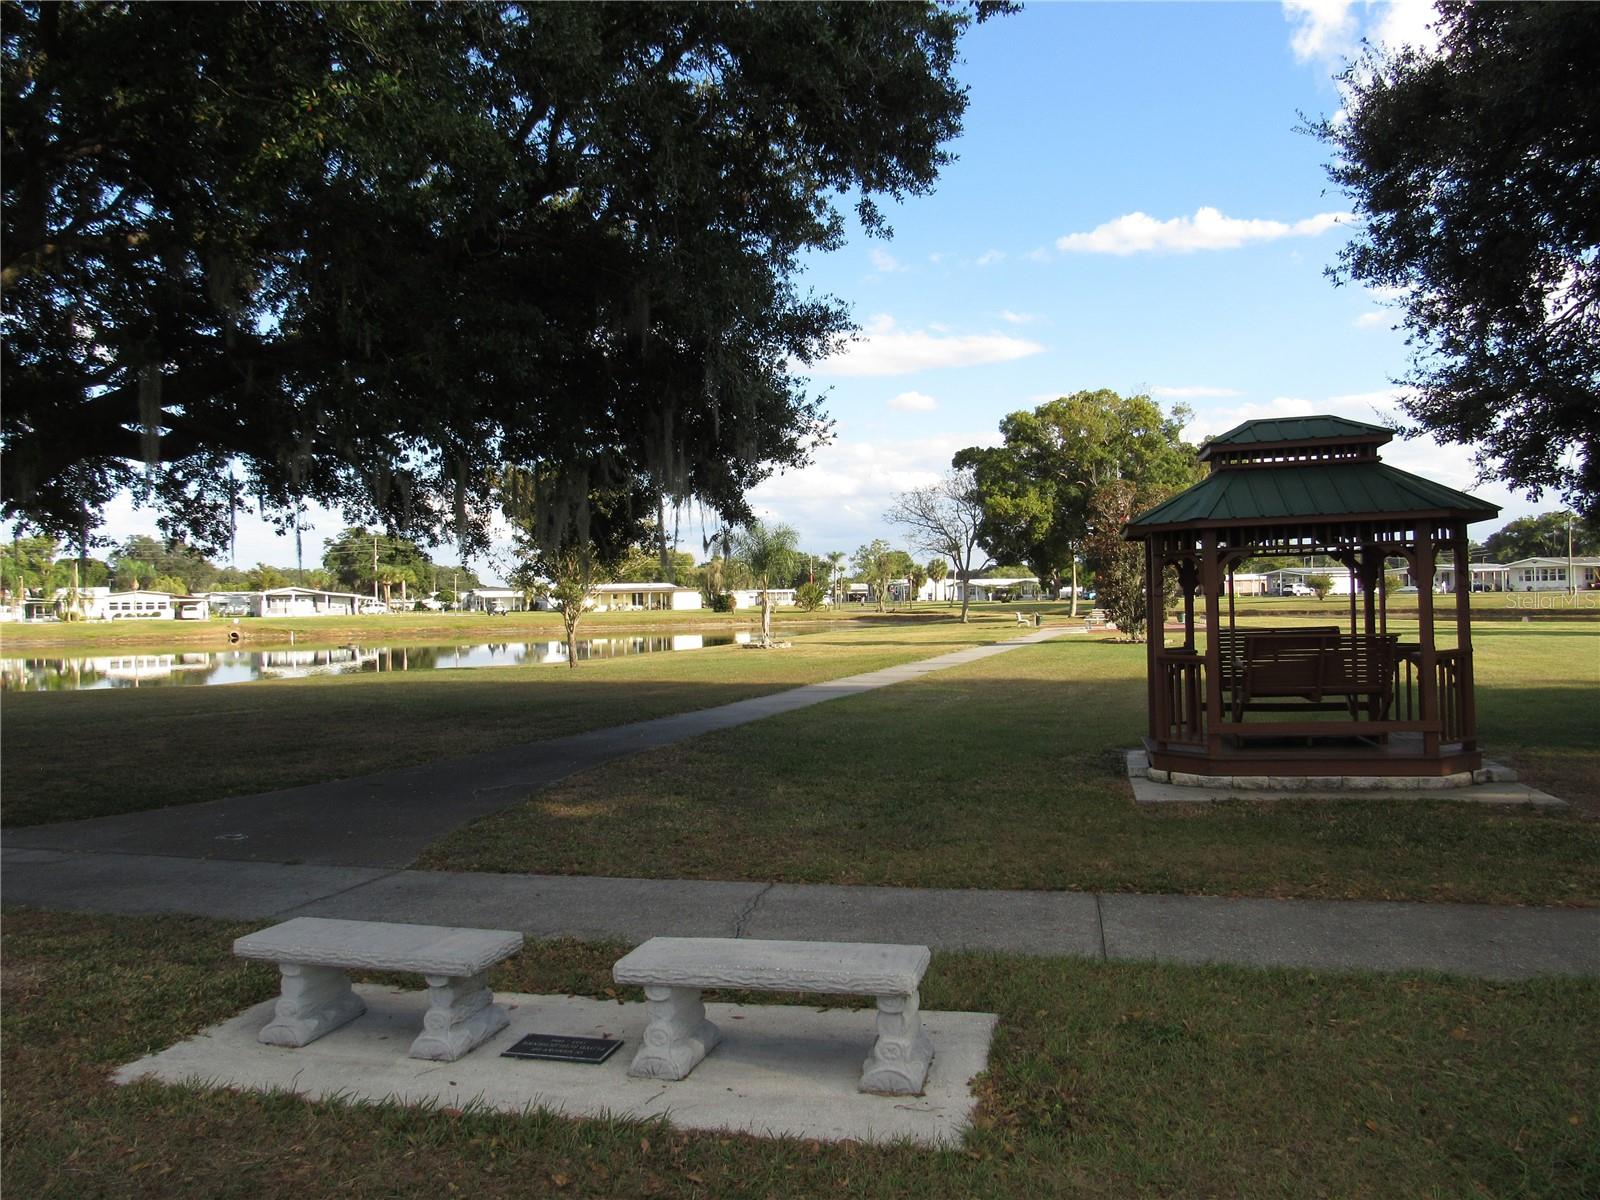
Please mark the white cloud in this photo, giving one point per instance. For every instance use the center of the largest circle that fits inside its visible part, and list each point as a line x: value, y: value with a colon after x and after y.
x: 1016, y: 318
x: 1038, y: 254
x: 885, y: 263
x: 1388, y: 292
x: 1210, y: 421
x: 1406, y: 23
x: 1208, y: 229
x: 913, y: 402
x: 1322, y: 29
x: 1330, y: 32
x: 1371, y: 320
x: 885, y: 349
x: 990, y: 257
x: 1193, y: 393
x: 838, y: 502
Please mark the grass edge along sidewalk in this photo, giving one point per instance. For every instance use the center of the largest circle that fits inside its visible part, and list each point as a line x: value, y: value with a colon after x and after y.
x: 1106, y: 1080
x: 1007, y: 774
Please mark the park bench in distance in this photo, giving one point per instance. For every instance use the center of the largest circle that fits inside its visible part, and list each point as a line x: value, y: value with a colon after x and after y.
x: 673, y: 970
x: 313, y: 954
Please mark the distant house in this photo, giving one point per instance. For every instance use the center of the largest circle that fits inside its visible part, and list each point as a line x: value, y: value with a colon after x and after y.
x: 644, y: 597
x: 751, y: 597
x: 302, y: 602
x: 143, y: 606
x: 1280, y: 581
x: 494, y: 600
x: 1020, y: 588
x: 1485, y: 577
x: 1249, y: 583
x: 1550, y: 574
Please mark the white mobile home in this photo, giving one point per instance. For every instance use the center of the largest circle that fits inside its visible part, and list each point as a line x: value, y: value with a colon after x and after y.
x: 494, y: 600
x: 303, y: 602
x: 1281, y: 581
x: 645, y: 597
x: 751, y: 597
x: 1551, y: 574
x: 1020, y: 588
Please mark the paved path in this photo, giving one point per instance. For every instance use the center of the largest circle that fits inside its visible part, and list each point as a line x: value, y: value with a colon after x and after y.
x: 1483, y: 940
x: 386, y: 820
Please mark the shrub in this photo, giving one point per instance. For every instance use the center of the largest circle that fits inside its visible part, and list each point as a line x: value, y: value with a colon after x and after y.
x: 808, y: 597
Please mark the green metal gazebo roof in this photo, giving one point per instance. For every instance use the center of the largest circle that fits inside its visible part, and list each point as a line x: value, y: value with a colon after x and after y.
x: 1300, y: 429
x: 1299, y: 492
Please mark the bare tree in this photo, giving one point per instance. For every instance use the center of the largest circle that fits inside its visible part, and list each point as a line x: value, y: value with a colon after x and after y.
x: 943, y: 519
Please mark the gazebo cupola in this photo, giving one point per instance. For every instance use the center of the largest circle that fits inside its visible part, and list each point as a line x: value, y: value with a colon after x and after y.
x: 1368, y: 691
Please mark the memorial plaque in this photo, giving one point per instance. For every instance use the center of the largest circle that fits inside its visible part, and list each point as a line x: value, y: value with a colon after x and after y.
x: 558, y: 1048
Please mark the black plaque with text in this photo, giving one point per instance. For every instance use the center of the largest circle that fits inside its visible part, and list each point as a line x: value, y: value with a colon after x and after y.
x: 558, y: 1048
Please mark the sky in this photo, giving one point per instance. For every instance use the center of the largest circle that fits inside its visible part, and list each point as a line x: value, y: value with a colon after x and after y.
x: 1133, y: 207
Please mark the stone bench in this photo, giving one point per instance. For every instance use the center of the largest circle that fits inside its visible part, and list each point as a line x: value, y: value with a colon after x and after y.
x: 313, y: 954
x: 673, y: 970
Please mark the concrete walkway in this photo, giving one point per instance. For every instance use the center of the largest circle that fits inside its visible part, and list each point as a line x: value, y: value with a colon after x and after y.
x: 387, y: 819
x: 1482, y: 940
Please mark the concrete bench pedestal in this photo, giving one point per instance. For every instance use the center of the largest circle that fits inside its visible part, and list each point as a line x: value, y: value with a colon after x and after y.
x: 672, y: 972
x: 313, y: 954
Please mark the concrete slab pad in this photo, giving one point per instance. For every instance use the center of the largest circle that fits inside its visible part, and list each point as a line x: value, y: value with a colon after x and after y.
x: 780, y: 1070
x: 549, y: 906
x: 143, y: 883
x: 944, y: 918
x: 1494, y: 790
x: 1483, y: 940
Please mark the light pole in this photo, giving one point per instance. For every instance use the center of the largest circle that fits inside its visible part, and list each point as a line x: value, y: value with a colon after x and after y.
x: 1572, y: 579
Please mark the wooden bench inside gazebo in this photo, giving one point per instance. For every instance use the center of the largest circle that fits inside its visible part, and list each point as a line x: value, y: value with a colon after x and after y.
x: 1318, y: 698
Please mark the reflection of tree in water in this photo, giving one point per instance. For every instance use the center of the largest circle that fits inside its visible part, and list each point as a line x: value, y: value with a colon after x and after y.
x: 49, y: 675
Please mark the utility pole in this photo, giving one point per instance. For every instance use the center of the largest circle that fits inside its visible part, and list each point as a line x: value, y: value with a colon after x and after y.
x: 374, y: 566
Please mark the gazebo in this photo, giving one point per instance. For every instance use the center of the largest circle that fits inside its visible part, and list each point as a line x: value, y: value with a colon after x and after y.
x: 1345, y: 698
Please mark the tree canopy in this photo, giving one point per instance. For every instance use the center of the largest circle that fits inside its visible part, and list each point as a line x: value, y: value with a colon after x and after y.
x: 364, y: 255
x: 1542, y: 536
x: 1037, y: 489
x: 1477, y: 170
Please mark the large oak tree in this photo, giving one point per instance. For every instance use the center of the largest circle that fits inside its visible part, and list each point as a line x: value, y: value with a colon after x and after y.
x: 1037, y: 489
x: 1477, y: 169
x: 366, y: 254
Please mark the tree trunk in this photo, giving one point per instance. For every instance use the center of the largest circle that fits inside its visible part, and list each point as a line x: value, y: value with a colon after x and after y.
x: 570, y: 619
x: 1074, y: 611
x: 766, y: 617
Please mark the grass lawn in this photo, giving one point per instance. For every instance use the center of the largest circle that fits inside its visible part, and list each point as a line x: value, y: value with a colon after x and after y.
x: 164, y: 746
x: 1008, y: 773
x: 1106, y: 1080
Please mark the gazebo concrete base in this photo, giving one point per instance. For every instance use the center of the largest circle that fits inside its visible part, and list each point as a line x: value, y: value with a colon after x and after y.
x: 1490, y: 784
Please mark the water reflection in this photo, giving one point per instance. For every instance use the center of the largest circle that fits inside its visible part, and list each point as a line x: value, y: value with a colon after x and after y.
x: 143, y: 669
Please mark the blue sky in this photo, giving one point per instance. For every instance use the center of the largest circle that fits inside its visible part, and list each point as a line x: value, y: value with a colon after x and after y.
x: 1131, y: 208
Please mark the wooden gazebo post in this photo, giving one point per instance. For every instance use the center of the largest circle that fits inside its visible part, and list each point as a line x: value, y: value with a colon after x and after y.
x: 1469, y: 704
x: 1211, y: 585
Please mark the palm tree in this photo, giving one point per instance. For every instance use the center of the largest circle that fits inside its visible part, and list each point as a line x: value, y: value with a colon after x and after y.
x: 937, y: 570
x: 836, y: 562
x: 769, y: 552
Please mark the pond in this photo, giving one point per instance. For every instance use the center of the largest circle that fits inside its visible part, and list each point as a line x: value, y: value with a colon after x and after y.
x: 144, y: 668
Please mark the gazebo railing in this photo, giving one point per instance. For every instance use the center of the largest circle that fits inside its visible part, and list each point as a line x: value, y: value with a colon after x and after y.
x: 1179, y: 716
x: 1181, y: 700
